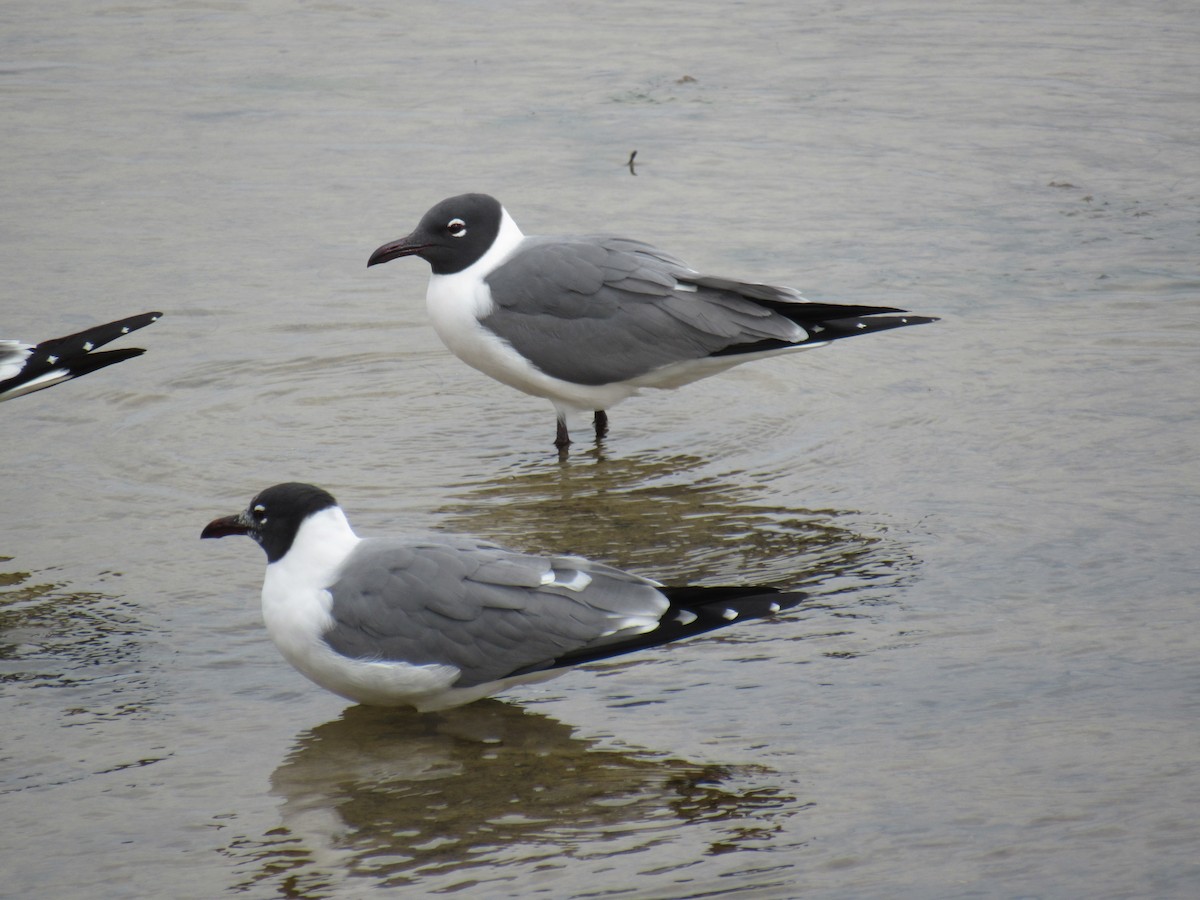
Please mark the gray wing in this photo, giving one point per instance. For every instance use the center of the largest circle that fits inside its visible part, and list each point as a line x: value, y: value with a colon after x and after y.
x: 594, y: 310
x: 483, y: 609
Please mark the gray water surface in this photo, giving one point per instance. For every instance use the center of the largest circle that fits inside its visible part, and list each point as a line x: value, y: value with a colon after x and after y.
x: 994, y: 690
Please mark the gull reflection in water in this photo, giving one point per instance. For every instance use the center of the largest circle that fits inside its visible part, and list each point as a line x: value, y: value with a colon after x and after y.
x: 480, y: 793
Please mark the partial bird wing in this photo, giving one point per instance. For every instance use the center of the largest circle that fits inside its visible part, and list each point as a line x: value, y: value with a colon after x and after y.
x: 25, y: 368
x: 597, y: 310
x: 488, y: 611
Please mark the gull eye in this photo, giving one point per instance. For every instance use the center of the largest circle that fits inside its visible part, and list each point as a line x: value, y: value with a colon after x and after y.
x: 456, y: 228
x: 259, y: 512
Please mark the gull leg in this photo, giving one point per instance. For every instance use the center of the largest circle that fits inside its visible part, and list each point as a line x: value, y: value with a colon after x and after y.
x: 562, y: 439
x: 600, y: 420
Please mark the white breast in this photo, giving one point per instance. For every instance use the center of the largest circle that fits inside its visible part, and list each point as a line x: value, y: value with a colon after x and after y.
x: 457, y: 302
x: 295, y: 602
x: 296, y: 607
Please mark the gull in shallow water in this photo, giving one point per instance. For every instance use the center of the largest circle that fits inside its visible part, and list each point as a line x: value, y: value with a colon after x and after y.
x: 439, y: 621
x: 588, y: 321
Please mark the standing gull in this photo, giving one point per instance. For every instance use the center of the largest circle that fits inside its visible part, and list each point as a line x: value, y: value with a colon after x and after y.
x: 440, y: 621
x: 588, y: 321
x: 25, y: 368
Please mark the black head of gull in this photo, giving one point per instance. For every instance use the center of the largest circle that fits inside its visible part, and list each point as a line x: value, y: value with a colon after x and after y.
x: 274, y: 517
x: 588, y: 321
x: 25, y: 368
x: 438, y: 621
x: 450, y: 237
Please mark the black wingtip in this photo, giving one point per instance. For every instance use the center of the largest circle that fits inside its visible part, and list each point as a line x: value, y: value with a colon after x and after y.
x: 825, y: 322
x: 91, y: 362
x: 99, y: 335
x: 60, y: 359
x: 695, y: 610
x: 836, y: 329
x: 692, y: 611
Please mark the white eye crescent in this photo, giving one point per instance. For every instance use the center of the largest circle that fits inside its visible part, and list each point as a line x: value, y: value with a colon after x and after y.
x: 456, y: 227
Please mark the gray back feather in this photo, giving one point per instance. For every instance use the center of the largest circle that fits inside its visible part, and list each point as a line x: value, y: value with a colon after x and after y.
x: 486, y: 610
x: 594, y: 310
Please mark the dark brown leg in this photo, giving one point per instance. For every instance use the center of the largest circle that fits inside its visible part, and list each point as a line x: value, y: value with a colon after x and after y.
x: 600, y: 420
x: 562, y: 439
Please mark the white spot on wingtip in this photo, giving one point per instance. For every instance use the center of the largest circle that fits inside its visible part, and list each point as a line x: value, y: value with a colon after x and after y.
x: 124, y: 329
x: 685, y: 616
x: 774, y: 607
x: 88, y: 346
x: 729, y: 614
x: 53, y: 360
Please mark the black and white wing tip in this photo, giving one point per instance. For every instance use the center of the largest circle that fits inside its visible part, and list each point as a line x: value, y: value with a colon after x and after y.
x: 25, y: 368
x: 866, y: 322
x: 692, y: 611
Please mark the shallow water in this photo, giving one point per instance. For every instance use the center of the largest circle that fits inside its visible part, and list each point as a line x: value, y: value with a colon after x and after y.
x: 993, y: 691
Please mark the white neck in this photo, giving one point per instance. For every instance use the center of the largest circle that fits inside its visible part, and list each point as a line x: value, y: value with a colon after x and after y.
x: 508, y: 238
x: 322, y: 542
x: 295, y: 602
x: 457, y: 302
